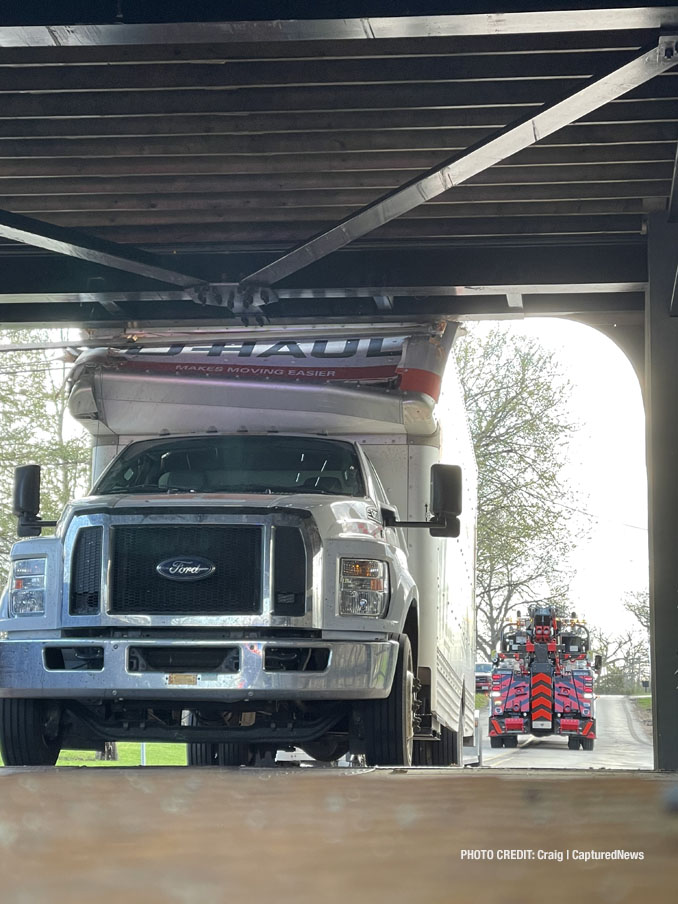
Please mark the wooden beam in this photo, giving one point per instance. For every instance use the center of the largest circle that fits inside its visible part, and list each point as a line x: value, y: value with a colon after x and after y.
x: 228, y: 212
x: 326, y: 142
x: 538, y: 178
x: 641, y: 113
x: 262, y: 73
x: 416, y: 161
x: 83, y: 197
x: 252, y: 100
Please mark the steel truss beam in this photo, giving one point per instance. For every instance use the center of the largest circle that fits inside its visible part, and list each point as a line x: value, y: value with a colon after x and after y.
x: 73, y: 243
x: 383, y: 295
x: 375, y: 28
x: 484, y: 154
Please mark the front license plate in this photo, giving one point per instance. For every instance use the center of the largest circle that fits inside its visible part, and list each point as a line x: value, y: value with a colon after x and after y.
x: 177, y: 678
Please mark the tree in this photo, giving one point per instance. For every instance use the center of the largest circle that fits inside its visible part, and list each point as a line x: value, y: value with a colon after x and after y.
x: 35, y: 428
x: 637, y: 602
x: 626, y: 661
x: 517, y: 405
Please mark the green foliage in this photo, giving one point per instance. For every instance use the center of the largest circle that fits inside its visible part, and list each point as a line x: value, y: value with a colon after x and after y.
x: 517, y: 405
x: 35, y: 428
x: 482, y: 701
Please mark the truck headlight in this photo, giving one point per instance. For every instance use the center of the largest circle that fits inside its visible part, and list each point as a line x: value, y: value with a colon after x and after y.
x: 27, y: 587
x: 363, y: 587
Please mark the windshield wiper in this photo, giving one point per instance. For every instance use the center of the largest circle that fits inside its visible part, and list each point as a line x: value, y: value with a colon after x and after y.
x: 144, y: 488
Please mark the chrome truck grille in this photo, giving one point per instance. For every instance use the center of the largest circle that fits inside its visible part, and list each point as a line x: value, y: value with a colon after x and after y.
x: 86, y: 572
x: 233, y: 588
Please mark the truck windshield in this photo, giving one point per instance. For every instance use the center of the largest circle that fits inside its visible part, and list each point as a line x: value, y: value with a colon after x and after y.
x: 235, y: 464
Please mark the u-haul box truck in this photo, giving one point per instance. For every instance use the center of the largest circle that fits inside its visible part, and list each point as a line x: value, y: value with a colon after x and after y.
x: 277, y: 552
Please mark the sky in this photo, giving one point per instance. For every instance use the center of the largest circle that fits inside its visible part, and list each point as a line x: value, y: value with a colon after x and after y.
x: 606, y: 468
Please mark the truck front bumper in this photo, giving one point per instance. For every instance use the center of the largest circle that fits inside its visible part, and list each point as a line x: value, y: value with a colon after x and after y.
x: 354, y: 670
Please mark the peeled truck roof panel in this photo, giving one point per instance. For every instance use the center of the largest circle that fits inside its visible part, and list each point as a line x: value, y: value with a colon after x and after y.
x: 362, y: 382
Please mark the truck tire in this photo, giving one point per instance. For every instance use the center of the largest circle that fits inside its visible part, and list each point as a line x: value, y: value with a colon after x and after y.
x: 437, y: 753
x: 511, y: 740
x: 496, y: 742
x: 24, y: 736
x: 573, y: 742
x: 448, y: 751
x: 388, y: 725
x: 587, y: 743
x: 326, y: 750
x: 217, y: 754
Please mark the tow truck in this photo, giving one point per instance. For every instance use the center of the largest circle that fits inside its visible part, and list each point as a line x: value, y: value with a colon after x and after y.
x: 542, y: 680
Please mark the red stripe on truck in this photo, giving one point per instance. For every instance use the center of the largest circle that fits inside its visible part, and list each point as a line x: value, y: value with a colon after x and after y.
x: 414, y: 380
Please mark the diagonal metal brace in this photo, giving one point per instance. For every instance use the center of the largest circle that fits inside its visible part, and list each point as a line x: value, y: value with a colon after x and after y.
x: 73, y: 243
x: 497, y: 147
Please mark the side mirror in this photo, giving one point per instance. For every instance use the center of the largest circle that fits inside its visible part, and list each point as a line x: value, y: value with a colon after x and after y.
x: 445, y: 504
x: 597, y: 662
x: 26, y: 500
x: 446, y: 495
x: 445, y: 490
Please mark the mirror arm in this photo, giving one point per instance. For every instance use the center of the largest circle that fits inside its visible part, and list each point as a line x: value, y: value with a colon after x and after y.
x: 31, y: 526
x: 390, y: 521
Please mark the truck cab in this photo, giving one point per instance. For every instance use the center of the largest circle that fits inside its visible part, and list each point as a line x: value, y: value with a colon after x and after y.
x: 272, y: 555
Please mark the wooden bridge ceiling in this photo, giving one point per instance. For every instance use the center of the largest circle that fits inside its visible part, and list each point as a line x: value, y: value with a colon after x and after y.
x: 219, y: 146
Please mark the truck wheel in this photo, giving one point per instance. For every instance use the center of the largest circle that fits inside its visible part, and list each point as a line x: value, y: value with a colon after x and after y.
x: 217, y: 754
x: 29, y: 733
x: 511, y: 740
x: 388, y: 725
x: 587, y: 743
x: 496, y: 742
x: 436, y: 753
x: 573, y: 742
x: 326, y: 750
x: 448, y: 751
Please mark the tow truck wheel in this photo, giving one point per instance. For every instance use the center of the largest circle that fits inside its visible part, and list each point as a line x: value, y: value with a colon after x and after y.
x: 29, y: 732
x: 573, y: 742
x: 496, y: 742
x: 511, y: 740
x: 388, y: 725
x: 587, y: 743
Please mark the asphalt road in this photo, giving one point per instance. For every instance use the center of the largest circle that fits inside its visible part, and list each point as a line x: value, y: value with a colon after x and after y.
x: 622, y: 743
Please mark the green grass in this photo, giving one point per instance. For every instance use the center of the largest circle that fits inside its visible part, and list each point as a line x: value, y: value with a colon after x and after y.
x: 128, y: 755
x: 482, y: 701
x: 643, y: 702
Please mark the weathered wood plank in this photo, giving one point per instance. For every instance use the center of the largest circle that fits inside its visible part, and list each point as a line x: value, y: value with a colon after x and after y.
x: 336, y: 836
